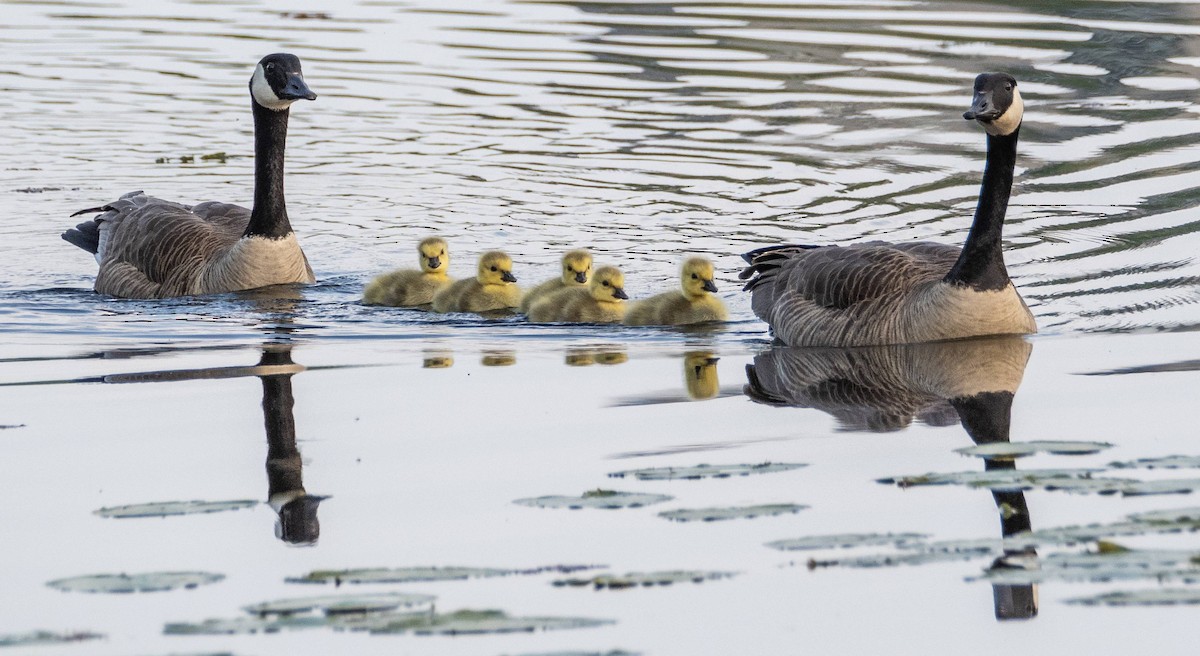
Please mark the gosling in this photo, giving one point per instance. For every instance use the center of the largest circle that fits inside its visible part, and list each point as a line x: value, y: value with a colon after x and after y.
x: 602, y: 301
x: 491, y: 289
x: 576, y: 265
x: 695, y: 304
x: 412, y: 287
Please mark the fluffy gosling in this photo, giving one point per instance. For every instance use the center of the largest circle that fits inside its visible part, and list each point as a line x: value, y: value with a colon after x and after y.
x: 695, y: 304
x: 576, y: 266
x: 602, y: 301
x: 491, y: 289
x: 412, y: 287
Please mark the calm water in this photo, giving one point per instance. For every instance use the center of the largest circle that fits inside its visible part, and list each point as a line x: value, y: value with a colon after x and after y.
x: 644, y: 131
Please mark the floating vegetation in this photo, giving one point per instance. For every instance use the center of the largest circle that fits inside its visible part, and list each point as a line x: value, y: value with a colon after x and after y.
x: 1013, y: 450
x: 41, y: 638
x: 341, y: 604
x: 244, y: 625
x: 171, y: 508
x: 645, y: 579
x: 1164, y: 462
x: 846, y: 540
x: 737, y: 512
x: 1110, y: 562
x: 11, y: 426
x: 1149, y: 597
x: 127, y: 583
x: 605, y: 499
x: 424, y: 574
x: 705, y: 471
x: 891, y: 559
x: 1000, y: 479
x: 1189, y: 517
x: 464, y: 622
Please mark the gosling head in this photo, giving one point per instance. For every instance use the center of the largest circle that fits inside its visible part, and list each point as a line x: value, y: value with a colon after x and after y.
x: 495, y: 268
x: 277, y: 82
x: 696, y: 276
x: 576, y: 265
x: 997, y: 105
x: 608, y: 285
x: 434, y: 254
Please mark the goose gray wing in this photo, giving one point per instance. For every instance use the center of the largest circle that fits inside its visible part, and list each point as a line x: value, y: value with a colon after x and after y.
x: 833, y: 295
x: 152, y: 248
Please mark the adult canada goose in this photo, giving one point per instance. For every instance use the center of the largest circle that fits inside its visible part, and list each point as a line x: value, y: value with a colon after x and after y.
x: 490, y: 290
x: 576, y: 265
x: 694, y: 302
x: 881, y: 293
x: 602, y: 301
x: 412, y: 287
x: 152, y: 248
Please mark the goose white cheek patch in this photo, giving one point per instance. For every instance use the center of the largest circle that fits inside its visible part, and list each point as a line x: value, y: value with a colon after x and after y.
x: 263, y: 94
x: 1009, y: 120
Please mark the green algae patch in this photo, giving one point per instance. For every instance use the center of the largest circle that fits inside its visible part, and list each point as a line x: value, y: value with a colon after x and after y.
x: 1148, y: 597
x: 705, y: 471
x: 425, y: 574
x: 1164, y: 462
x: 846, y: 541
x: 465, y: 622
x: 173, y: 508
x: 644, y: 579
x: 603, y: 499
x: 736, y: 512
x: 1013, y: 450
x: 44, y: 638
x: 129, y: 583
x: 340, y: 604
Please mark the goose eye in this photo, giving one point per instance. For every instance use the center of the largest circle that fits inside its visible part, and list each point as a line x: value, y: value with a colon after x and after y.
x: 1008, y: 87
x: 270, y: 66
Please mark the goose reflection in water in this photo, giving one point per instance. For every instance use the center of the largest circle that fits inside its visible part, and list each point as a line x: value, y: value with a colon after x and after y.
x: 886, y: 388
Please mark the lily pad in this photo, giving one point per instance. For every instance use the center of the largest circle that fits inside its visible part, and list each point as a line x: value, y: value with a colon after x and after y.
x: 464, y: 622
x: 1002, y: 479
x: 1111, y: 562
x: 171, y: 508
x: 126, y: 583
x: 245, y: 625
x: 1164, y: 486
x: 891, y: 559
x: 1183, y: 516
x: 341, y: 604
x: 705, y: 471
x: 1012, y: 450
x: 422, y: 574
x: 42, y: 638
x: 606, y: 499
x: 1148, y: 597
x: 845, y: 540
x: 1164, y: 462
x: 645, y: 579
x: 738, y: 512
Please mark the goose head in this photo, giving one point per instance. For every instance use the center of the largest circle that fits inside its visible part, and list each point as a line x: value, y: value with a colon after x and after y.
x: 277, y: 82
x: 434, y: 255
x: 696, y: 277
x: 495, y: 268
x: 608, y: 285
x: 997, y: 104
x: 576, y: 265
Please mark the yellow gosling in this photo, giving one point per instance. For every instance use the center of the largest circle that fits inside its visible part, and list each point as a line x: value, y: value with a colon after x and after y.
x: 412, y: 287
x: 491, y: 289
x: 602, y: 301
x: 697, y: 302
x: 576, y: 267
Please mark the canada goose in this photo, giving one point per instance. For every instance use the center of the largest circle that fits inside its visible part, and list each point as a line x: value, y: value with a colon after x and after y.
x: 602, y: 301
x: 881, y: 293
x: 412, y: 287
x: 152, y: 248
x: 491, y: 289
x: 576, y: 265
x: 695, y: 304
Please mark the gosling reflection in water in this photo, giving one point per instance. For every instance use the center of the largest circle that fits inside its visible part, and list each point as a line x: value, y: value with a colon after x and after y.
x: 882, y: 389
x: 603, y: 354
x: 700, y: 383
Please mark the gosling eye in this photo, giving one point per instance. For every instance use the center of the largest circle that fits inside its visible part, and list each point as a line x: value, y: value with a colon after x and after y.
x: 694, y: 276
x: 605, y: 283
x: 493, y: 268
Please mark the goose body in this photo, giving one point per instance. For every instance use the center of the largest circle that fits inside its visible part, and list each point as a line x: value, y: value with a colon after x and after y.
x: 880, y: 293
x: 576, y: 265
x: 602, y: 301
x: 694, y: 302
x: 493, y: 288
x: 413, y: 287
x: 152, y: 248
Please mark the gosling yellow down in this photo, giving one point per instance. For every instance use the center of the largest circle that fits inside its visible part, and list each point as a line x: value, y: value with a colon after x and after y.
x: 491, y: 289
x: 413, y: 287
x: 694, y: 302
x: 576, y: 265
x: 602, y: 301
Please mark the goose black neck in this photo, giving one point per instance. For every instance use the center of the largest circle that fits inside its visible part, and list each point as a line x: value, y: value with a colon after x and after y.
x: 981, y: 263
x: 269, y: 218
